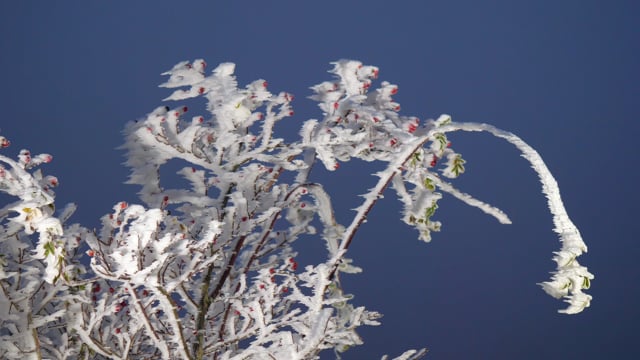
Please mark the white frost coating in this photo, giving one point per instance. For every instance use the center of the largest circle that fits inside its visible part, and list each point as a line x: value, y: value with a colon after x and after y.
x: 470, y: 200
x: 347, y: 71
x: 570, y: 276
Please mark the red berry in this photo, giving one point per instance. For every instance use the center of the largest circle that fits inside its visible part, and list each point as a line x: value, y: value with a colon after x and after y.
x: 434, y: 161
x: 112, y: 290
x: 264, y: 84
x: 291, y: 113
x: 394, y: 91
x: 185, y: 109
x: 91, y: 253
x: 117, y: 330
x: 303, y: 205
x: 336, y: 166
x: 335, y: 105
x: 123, y: 205
x: 393, y: 141
x: 201, y: 91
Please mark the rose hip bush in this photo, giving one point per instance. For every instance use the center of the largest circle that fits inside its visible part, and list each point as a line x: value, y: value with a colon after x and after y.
x: 208, y: 271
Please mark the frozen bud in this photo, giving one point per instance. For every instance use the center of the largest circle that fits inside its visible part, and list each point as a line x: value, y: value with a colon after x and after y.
x: 25, y: 156
x: 368, y: 72
x: 179, y: 111
x: 199, y: 65
x: 52, y: 180
x: 412, y: 125
x: 4, y: 142
x: 45, y: 158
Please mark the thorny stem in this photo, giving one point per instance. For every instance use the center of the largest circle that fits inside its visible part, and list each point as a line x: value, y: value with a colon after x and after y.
x: 152, y: 333
x: 223, y: 278
x: 393, y: 169
x: 174, y: 320
x: 206, y: 300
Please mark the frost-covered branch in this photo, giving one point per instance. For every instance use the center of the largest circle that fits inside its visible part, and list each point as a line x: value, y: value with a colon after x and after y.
x: 210, y: 270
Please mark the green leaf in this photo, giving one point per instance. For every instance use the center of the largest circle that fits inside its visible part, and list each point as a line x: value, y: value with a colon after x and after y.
x: 428, y: 183
x: 458, y: 165
x: 49, y: 248
x: 431, y: 210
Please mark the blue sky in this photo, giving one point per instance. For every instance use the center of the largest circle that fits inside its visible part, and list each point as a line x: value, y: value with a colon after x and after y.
x: 563, y: 75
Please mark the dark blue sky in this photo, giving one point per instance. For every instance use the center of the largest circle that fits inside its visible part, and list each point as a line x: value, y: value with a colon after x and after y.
x: 563, y: 75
